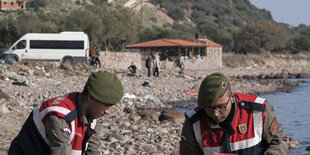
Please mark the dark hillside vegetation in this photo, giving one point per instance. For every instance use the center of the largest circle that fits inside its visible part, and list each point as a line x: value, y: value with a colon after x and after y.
x: 223, y: 12
x: 236, y: 24
x: 107, y: 27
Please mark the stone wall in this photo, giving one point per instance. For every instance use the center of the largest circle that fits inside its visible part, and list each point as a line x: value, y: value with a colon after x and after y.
x: 203, y: 63
x: 197, y: 63
x: 119, y: 60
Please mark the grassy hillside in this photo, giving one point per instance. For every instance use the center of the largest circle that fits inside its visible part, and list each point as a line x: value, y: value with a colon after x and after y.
x: 223, y: 12
x: 228, y: 13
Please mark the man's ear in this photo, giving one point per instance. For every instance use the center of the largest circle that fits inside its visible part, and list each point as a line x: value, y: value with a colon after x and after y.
x: 233, y: 95
x: 88, y: 98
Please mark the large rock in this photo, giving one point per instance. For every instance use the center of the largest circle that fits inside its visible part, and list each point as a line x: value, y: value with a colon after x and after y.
x: 173, y: 115
x: 67, y: 67
x: 292, y: 75
x: 116, y: 136
x: 38, y: 72
x: 247, y: 77
x: 21, y: 67
x: 4, y: 109
x: 281, y: 75
x: 134, y: 117
x: 3, y: 76
x: 8, y: 95
x: 292, y: 143
x: 147, y: 114
x: 5, y: 93
x: 303, y: 75
x: 269, y: 76
x: 262, y: 76
x: 50, y: 67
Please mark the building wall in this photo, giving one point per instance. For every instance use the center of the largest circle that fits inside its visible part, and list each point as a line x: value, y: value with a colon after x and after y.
x: 212, y: 60
x: 119, y: 60
x: 12, y: 4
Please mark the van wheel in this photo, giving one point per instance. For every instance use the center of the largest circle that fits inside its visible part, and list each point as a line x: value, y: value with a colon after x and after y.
x: 11, y: 59
x: 68, y: 61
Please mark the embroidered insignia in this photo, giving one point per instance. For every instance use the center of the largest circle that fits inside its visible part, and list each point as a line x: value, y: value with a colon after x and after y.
x: 242, y: 128
x: 66, y: 129
x: 274, y: 126
x: 224, y: 85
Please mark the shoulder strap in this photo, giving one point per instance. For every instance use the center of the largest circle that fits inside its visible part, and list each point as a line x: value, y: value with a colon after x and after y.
x: 252, y: 106
x: 71, y: 116
x: 197, y: 116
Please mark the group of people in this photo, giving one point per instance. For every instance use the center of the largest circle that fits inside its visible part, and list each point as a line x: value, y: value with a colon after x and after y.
x: 223, y: 121
x: 153, y: 64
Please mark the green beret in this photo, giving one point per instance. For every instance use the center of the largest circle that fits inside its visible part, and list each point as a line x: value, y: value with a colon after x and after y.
x: 212, y: 87
x: 105, y: 87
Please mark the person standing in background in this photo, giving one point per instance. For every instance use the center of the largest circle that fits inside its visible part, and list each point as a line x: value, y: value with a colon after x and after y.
x: 148, y: 65
x: 94, y: 54
x: 156, y: 67
x: 182, y: 67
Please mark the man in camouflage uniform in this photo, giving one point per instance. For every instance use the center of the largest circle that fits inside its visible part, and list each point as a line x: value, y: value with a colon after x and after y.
x: 230, y: 122
x: 66, y: 124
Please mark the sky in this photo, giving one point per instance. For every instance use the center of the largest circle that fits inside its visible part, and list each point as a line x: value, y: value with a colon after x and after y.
x: 293, y: 12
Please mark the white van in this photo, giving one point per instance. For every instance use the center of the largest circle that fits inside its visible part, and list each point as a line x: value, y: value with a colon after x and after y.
x: 64, y: 47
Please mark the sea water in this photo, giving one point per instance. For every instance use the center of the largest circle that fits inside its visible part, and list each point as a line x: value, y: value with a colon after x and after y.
x: 292, y: 111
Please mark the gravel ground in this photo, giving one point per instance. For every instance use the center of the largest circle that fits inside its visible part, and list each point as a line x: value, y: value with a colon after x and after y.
x: 140, y: 123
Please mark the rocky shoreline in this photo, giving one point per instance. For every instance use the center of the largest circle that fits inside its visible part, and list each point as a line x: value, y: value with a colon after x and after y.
x: 146, y: 121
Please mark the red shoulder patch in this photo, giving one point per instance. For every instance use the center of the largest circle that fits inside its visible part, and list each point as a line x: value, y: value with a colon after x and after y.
x: 274, y: 126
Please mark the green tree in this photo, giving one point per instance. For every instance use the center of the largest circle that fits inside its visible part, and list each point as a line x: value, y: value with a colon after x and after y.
x: 26, y: 22
x: 119, y: 26
x: 37, y: 3
x: 302, y: 42
x: 168, y: 31
x: 215, y: 32
x: 7, y: 31
x: 177, y: 14
x: 86, y: 21
x: 261, y: 35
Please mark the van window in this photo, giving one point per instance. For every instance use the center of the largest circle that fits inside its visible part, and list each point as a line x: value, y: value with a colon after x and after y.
x: 56, y: 44
x: 20, y: 45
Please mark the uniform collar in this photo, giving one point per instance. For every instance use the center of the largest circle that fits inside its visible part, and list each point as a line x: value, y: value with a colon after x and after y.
x: 81, y: 113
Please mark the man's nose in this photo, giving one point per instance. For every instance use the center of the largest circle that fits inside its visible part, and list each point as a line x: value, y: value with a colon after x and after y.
x: 216, y: 112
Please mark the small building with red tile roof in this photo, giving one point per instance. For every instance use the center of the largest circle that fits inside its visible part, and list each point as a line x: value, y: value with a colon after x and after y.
x: 166, y: 43
x: 213, y: 49
x: 170, y: 47
x: 201, y: 50
x: 12, y: 4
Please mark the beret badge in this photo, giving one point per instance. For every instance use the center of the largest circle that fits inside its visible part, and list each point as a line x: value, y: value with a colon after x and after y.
x: 224, y: 85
